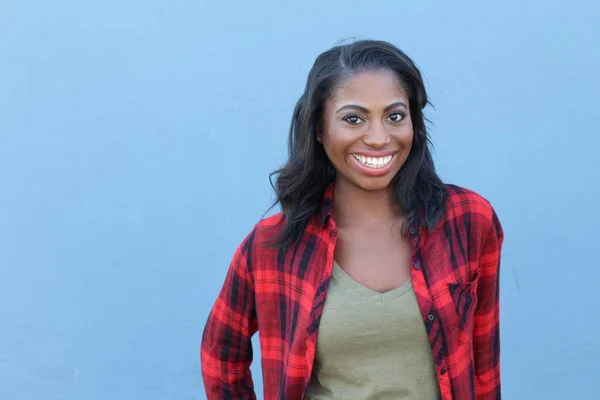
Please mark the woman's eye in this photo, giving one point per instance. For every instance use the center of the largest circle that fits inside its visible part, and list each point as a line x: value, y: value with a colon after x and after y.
x: 353, y: 119
x: 396, y: 117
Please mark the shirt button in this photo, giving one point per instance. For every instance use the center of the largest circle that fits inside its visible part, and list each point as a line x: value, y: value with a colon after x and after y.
x: 443, y: 371
x: 431, y: 317
x: 412, y: 231
x: 416, y: 266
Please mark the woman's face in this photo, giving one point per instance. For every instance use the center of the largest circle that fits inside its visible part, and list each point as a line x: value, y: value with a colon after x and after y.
x: 367, y: 132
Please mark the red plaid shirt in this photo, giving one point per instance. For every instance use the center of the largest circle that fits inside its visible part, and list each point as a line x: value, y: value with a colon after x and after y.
x: 455, y: 278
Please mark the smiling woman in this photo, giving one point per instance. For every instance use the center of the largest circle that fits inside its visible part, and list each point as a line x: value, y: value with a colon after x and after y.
x: 377, y: 280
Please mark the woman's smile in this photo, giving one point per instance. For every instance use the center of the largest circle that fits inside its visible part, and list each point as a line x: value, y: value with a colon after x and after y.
x: 373, y: 166
x: 372, y: 161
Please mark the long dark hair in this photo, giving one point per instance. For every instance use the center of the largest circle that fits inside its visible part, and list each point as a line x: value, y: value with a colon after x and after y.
x: 302, y: 181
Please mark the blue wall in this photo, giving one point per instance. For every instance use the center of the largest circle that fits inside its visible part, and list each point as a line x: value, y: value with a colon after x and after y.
x: 136, y: 138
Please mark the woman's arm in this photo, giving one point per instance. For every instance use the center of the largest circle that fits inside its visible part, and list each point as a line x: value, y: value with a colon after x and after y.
x: 226, y: 351
x: 486, y: 333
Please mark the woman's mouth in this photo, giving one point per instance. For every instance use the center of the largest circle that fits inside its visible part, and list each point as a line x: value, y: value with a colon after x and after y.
x: 374, y: 162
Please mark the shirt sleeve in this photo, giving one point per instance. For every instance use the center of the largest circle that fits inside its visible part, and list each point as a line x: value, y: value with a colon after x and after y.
x: 486, y: 334
x: 226, y: 349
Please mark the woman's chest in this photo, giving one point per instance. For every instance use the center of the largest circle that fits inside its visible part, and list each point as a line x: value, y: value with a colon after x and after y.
x: 376, y: 259
x: 290, y: 295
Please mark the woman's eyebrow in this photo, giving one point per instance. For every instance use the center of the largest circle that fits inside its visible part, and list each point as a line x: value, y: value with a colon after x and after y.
x: 352, y: 106
x: 394, y: 105
x: 366, y: 111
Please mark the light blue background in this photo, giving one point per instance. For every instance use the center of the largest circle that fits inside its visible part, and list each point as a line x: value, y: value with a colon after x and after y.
x: 136, y: 138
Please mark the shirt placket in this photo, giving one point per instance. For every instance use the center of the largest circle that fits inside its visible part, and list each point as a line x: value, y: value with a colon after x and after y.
x: 318, y: 302
x: 428, y: 312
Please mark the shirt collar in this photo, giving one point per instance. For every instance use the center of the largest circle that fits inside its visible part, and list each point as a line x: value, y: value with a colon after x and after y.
x: 327, y: 205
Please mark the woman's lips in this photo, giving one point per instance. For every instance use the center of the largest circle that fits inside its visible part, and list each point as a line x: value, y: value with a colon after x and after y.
x: 374, y: 165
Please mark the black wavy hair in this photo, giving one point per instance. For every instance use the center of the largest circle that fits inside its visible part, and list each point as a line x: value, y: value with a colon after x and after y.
x: 302, y: 181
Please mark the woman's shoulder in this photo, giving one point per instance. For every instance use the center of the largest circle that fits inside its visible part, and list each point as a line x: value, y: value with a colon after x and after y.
x: 463, y: 203
x: 268, y: 228
x: 265, y: 231
x: 468, y: 211
x: 264, y: 240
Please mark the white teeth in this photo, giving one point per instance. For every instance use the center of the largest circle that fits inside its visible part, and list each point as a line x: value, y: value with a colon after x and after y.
x: 374, y: 162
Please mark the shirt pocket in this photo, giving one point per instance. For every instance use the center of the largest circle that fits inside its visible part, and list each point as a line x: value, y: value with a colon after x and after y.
x: 464, y: 299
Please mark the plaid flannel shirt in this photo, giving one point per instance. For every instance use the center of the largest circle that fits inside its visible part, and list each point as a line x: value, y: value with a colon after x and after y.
x: 455, y: 275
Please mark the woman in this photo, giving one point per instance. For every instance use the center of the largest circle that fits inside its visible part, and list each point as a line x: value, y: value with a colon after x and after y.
x: 377, y: 281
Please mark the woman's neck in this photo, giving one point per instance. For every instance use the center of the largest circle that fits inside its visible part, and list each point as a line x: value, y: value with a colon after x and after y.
x: 354, y: 206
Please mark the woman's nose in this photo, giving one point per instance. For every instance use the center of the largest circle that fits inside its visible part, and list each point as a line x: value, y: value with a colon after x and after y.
x: 377, y: 136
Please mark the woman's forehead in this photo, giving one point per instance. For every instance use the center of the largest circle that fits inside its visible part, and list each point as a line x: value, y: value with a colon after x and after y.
x: 375, y: 88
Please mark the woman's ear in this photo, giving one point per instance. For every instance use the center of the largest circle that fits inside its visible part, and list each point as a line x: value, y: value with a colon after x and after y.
x: 319, y: 137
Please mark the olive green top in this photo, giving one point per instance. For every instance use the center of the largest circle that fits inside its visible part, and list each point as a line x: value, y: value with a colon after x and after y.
x: 372, y: 345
